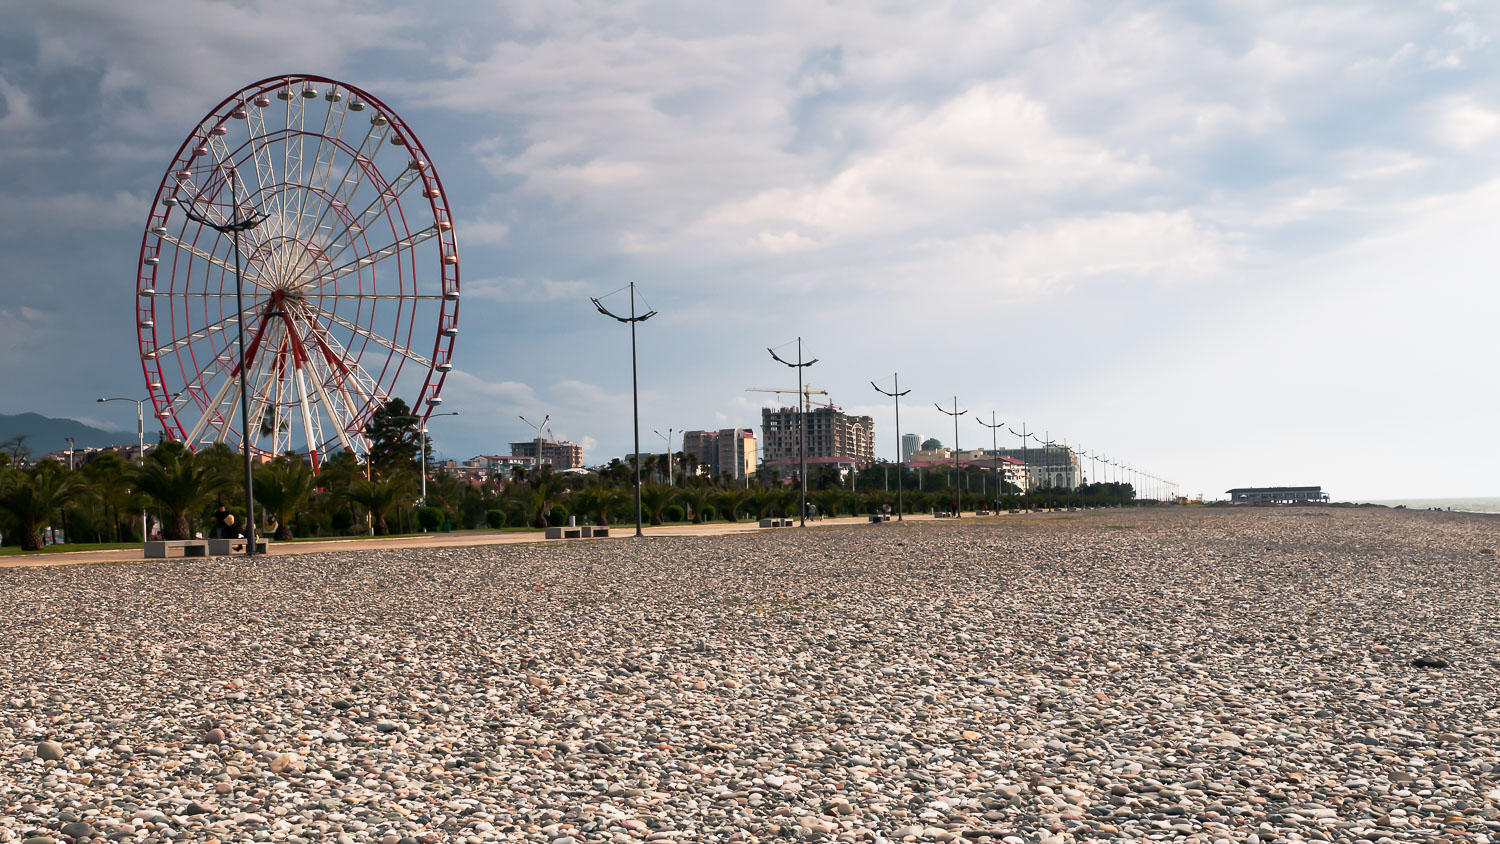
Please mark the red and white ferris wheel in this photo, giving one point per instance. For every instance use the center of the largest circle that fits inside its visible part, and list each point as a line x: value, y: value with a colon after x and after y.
x: 350, y: 281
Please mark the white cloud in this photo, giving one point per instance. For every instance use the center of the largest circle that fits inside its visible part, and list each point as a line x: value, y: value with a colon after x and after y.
x: 524, y: 290
x: 1462, y: 123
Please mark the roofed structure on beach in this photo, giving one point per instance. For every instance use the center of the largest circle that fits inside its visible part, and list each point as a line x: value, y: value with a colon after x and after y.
x: 1277, y: 494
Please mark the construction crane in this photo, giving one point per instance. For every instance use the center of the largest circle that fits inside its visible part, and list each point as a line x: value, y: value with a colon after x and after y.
x: 806, y: 397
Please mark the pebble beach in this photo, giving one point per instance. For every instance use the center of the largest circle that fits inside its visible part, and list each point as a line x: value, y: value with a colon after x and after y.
x: 1190, y: 674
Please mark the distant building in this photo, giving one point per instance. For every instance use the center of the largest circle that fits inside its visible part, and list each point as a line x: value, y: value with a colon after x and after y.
x: 910, y: 444
x: 830, y: 433
x: 1011, y: 470
x: 1054, y: 467
x: 558, y: 455
x: 1277, y: 495
x: 728, y: 450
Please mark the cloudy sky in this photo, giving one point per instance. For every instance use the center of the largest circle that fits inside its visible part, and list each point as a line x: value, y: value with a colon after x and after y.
x: 1233, y: 243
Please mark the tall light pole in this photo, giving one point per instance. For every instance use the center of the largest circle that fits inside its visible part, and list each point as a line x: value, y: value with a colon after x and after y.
x: 958, y: 490
x: 234, y: 227
x: 1026, y: 460
x: 995, y: 448
x: 801, y: 417
x: 635, y: 392
x: 422, y: 445
x: 668, y: 438
x: 140, y: 452
x: 538, y: 429
x: 896, y: 393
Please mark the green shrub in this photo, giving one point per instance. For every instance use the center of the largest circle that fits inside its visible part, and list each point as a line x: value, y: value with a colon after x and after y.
x: 495, y: 519
x: 709, y: 513
x: 559, y: 516
x: 430, y: 518
x: 673, y: 513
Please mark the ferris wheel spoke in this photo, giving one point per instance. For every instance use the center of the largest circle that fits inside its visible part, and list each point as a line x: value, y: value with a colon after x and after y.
x: 221, y: 263
x: 265, y: 171
x: 211, y: 411
x: 223, y: 161
x: 264, y: 381
x: 352, y: 179
x: 338, y: 358
x: 376, y: 338
x: 381, y: 204
x: 321, y: 168
x: 319, y: 281
x: 200, y: 333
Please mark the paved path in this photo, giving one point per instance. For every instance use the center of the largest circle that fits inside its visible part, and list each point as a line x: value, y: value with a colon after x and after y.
x: 432, y: 540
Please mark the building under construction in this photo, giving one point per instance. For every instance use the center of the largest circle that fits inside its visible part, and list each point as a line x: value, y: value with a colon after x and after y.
x: 559, y: 455
x: 830, y: 433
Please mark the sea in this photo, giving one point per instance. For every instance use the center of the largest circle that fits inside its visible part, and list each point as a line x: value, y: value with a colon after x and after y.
x: 1462, y: 505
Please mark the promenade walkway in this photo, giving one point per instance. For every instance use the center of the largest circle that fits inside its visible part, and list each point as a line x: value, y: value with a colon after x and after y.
x: 431, y: 540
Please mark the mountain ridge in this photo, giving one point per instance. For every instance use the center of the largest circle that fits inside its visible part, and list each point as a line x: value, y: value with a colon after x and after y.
x: 46, y: 434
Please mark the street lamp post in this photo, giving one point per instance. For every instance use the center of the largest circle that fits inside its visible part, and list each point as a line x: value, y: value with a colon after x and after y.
x: 234, y: 227
x: 801, y: 417
x: 1026, y: 459
x: 958, y: 492
x: 995, y: 448
x: 896, y: 393
x: 635, y: 393
x: 670, y: 480
x: 140, y: 452
x: 538, y: 429
x: 422, y: 446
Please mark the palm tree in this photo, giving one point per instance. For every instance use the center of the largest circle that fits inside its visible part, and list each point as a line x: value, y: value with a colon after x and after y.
x: 731, y: 502
x: 178, y: 483
x: 34, y: 497
x: 378, y: 496
x: 829, y: 501
x: 601, y: 502
x: 695, y: 498
x: 765, y: 501
x: 282, y: 487
x: 655, y: 498
x: 109, y: 481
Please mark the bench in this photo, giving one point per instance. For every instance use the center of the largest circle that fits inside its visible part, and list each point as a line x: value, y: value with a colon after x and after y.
x: 158, y: 549
x: 564, y: 533
x: 220, y: 547
x: 594, y: 532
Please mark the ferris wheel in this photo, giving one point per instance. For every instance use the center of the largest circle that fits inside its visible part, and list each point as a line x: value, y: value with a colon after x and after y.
x: 349, y: 264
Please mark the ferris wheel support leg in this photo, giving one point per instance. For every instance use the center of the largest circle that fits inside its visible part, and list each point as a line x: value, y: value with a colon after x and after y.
x: 212, y: 410
x: 328, y: 406
x: 307, y: 423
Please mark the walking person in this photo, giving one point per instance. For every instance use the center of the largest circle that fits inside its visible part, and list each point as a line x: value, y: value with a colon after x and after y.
x: 222, y: 520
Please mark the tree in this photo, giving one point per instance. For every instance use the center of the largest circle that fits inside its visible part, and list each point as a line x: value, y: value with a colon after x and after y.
x: 731, y: 502
x: 828, y: 500
x: 931, y: 443
x: 35, y: 496
x: 654, y: 499
x: 178, y: 483
x: 695, y: 498
x: 765, y: 501
x: 282, y: 487
x: 379, y: 496
x: 601, y: 503
x: 109, y: 480
x: 16, y: 447
x: 394, y: 433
